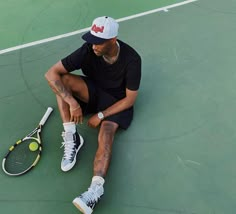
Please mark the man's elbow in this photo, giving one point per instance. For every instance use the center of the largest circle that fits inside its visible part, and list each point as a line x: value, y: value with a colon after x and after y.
x: 52, y: 72
x: 131, y: 97
x: 46, y: 75
x: 131, y: 101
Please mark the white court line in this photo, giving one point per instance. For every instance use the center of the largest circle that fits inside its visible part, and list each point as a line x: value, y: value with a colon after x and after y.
x: 88, y: 28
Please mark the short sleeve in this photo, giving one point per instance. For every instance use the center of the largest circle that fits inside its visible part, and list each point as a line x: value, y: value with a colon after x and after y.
x: 133, y: 75
x: 75, y: 60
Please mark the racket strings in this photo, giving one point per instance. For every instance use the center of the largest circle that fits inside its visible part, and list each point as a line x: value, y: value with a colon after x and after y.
x: 20, y: 158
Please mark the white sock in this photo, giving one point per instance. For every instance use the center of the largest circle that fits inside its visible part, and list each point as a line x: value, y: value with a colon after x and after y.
x: 97, y: 185
x: 69, y: 127
x: 97, y: 180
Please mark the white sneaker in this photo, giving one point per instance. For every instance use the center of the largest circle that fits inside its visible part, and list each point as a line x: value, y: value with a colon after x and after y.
x: 72, y: 144
x: 87, y: 201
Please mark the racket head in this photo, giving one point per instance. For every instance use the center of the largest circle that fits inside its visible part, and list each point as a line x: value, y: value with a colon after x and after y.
x: 20, y: 159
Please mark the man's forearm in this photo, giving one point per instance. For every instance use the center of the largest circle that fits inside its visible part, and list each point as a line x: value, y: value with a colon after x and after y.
x: 117, y: 107
x: 59, y: 89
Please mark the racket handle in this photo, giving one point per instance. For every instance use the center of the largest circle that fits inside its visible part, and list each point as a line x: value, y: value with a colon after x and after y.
x: 45, y: 116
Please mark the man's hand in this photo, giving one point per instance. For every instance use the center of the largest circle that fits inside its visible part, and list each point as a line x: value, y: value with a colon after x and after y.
x: 94, y: 121
x: 76, y: 115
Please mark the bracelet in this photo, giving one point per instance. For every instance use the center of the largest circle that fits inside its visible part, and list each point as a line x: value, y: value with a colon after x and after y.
x: 75, y: 108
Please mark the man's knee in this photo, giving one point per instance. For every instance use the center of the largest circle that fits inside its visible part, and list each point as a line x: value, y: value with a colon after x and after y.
x: 109, y: 126
x: 66, y: 79
x: 107, y: 131
x: 76, y: 85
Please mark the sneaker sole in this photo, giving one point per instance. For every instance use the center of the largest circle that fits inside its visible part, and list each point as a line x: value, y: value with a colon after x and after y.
x: 79, y: 204
x: 77, y: 150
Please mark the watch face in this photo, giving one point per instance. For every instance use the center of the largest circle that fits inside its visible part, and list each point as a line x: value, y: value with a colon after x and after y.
x: 100, y: 115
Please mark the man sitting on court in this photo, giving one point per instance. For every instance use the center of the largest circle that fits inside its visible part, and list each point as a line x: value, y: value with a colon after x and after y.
x: 108, y: 89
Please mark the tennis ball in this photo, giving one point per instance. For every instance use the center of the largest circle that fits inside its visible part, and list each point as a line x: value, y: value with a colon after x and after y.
x: 33, y: 146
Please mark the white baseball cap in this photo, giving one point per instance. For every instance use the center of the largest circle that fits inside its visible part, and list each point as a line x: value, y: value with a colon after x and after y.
x: 103, y: 28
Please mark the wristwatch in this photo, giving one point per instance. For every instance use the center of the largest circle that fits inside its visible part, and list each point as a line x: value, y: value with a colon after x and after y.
x: 100, y: 115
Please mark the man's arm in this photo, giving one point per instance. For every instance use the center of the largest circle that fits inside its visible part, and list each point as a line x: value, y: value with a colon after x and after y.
x: 53, y: 76
x: 122, y: 104
x: 117, y: 107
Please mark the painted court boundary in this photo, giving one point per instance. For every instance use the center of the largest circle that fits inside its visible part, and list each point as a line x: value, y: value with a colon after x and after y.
x: 166, y: 8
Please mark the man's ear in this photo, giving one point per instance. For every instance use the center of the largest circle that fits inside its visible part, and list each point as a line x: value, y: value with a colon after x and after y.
x: 114, y: 40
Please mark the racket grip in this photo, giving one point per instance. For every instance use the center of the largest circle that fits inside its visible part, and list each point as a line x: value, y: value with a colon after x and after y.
x: 45, y: 116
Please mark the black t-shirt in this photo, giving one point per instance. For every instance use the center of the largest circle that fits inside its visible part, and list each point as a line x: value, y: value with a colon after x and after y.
x: 113, y: 78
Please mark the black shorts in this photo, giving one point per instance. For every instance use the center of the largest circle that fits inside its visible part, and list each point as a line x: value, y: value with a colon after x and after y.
x: 99, y: 100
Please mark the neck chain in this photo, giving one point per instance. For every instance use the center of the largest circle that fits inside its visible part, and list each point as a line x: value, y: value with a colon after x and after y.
x: 113, y: 59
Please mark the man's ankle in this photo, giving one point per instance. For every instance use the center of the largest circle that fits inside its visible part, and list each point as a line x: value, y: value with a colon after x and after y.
x: 98, y: 180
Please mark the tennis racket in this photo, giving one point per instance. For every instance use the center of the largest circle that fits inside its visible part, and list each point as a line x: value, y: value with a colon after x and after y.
x: 26, y: 152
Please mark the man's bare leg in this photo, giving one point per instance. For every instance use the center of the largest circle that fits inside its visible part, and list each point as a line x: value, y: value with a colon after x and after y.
x: 104, y: 151
x: 71, y: 85
x: 86, y: 201
x: 75, y: 86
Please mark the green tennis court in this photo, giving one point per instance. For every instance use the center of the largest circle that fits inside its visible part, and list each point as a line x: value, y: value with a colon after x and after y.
x: 178, y: 155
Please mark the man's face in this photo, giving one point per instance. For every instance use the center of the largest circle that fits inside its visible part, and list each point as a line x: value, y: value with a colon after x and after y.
x: 103, y: 49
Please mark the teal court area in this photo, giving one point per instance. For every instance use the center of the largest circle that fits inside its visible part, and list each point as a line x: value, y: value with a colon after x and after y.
x: 178, y: 156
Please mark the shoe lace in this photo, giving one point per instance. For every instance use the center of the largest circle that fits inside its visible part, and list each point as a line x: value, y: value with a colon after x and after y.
x: 68, y: 144
x: 92, y: 194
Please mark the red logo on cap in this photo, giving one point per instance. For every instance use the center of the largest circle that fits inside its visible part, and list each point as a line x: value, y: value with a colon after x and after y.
x: 97, y: 29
